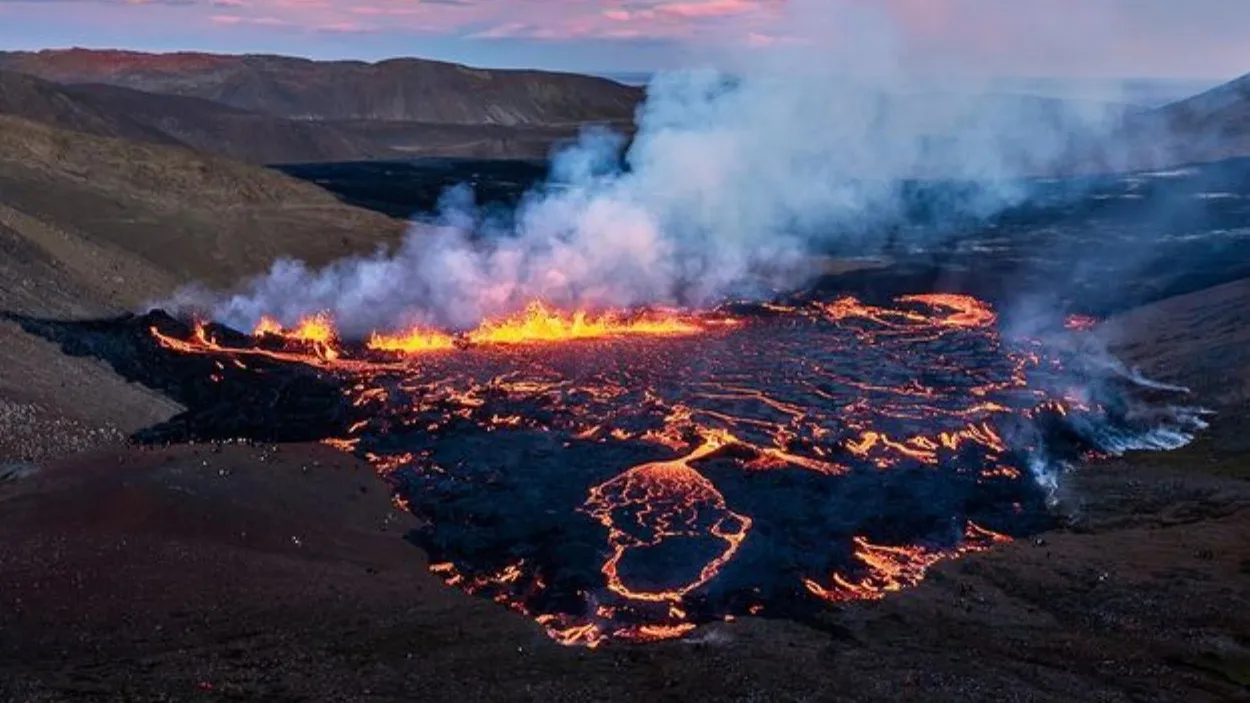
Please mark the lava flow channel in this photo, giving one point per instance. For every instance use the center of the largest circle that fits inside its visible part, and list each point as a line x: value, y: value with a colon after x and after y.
x: 630, y: 476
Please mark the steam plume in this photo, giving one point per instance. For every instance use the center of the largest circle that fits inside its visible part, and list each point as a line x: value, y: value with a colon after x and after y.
x: 728, y: 188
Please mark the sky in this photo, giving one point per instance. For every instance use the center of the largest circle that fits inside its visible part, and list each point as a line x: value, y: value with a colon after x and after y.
x: 1203, y: 39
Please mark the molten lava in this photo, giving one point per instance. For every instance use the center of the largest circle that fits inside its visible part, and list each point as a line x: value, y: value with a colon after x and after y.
x: 317, y: 332
x: 683, y: 468
x: 539, y: 323
x: 536, y: 324
x: 1080, y: 323
x: 965, y: 311
x: 888, y: 569
x: 414, y: 341
x: 651, y: 503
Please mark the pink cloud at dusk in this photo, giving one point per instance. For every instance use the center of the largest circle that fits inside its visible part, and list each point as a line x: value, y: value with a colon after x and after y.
x: 551, y: 20
x: 1023, y: 37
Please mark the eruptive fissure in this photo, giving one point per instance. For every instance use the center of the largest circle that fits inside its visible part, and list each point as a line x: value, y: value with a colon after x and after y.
x: 630, y: 476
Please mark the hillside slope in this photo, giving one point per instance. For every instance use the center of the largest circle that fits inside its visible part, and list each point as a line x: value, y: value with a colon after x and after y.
x: 1214, y: 124
x: 94, y: 226
x: 1210, y: 126
x: 112, y: 111
x: 42, y: 101
x: 397, y: 90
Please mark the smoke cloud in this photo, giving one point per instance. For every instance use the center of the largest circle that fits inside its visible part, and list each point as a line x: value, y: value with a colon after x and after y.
x: 734, y: 180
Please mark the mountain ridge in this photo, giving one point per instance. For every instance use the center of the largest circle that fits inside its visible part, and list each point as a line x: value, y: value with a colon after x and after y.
x: 1210, y: 126
x: 398, y: 89
x: 267, y: 108
x: 114, y: 111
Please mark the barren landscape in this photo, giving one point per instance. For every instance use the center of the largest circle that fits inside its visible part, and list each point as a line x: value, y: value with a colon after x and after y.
x: 222, y: 568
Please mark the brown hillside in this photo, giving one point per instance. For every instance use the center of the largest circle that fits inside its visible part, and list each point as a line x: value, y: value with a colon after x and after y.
x: 398, y: 90
x: 1214, y: 124
x: 93, y: 226
x: 1210, y: 126
x: 39, y: 100
x: 238, y: 134
x: 112, y: 111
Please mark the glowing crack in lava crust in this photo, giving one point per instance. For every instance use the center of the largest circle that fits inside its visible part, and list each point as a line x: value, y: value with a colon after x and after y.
x: 633, y: 475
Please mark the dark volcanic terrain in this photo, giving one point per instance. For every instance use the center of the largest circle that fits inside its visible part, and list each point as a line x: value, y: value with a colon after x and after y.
x: 205, y: 571
x: 245, y: 570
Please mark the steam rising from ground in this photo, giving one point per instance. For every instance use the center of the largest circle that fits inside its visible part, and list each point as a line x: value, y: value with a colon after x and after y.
x: 728, y: 188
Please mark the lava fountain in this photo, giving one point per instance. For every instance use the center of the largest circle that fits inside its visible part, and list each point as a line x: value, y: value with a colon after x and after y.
x: 631, y: 475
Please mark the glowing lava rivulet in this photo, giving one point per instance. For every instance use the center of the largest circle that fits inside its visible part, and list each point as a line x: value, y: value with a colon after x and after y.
x: 630, y: 476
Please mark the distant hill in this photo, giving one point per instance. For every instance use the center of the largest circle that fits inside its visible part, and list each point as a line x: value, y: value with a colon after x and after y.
x: 1211, y: 125
x: 1056, y: 137
x: 403, y: 90
x: 274, y: 109
x: 41, y: 101
x: 110, y: 111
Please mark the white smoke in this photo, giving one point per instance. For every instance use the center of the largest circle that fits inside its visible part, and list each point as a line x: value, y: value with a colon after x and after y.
x: 731, y: 186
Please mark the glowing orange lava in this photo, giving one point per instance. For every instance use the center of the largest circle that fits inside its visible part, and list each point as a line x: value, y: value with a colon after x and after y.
x: 890, y: 569
x: 414, y: 341
x: 781, y: 400
x: 267, y: 325
x: 966, y: 311
x: 651, y: 503
x: 1080, y: 323
x: 962, y: 311
x: 294, y: 349
x: 316, y: 331
x: 539, y: 323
